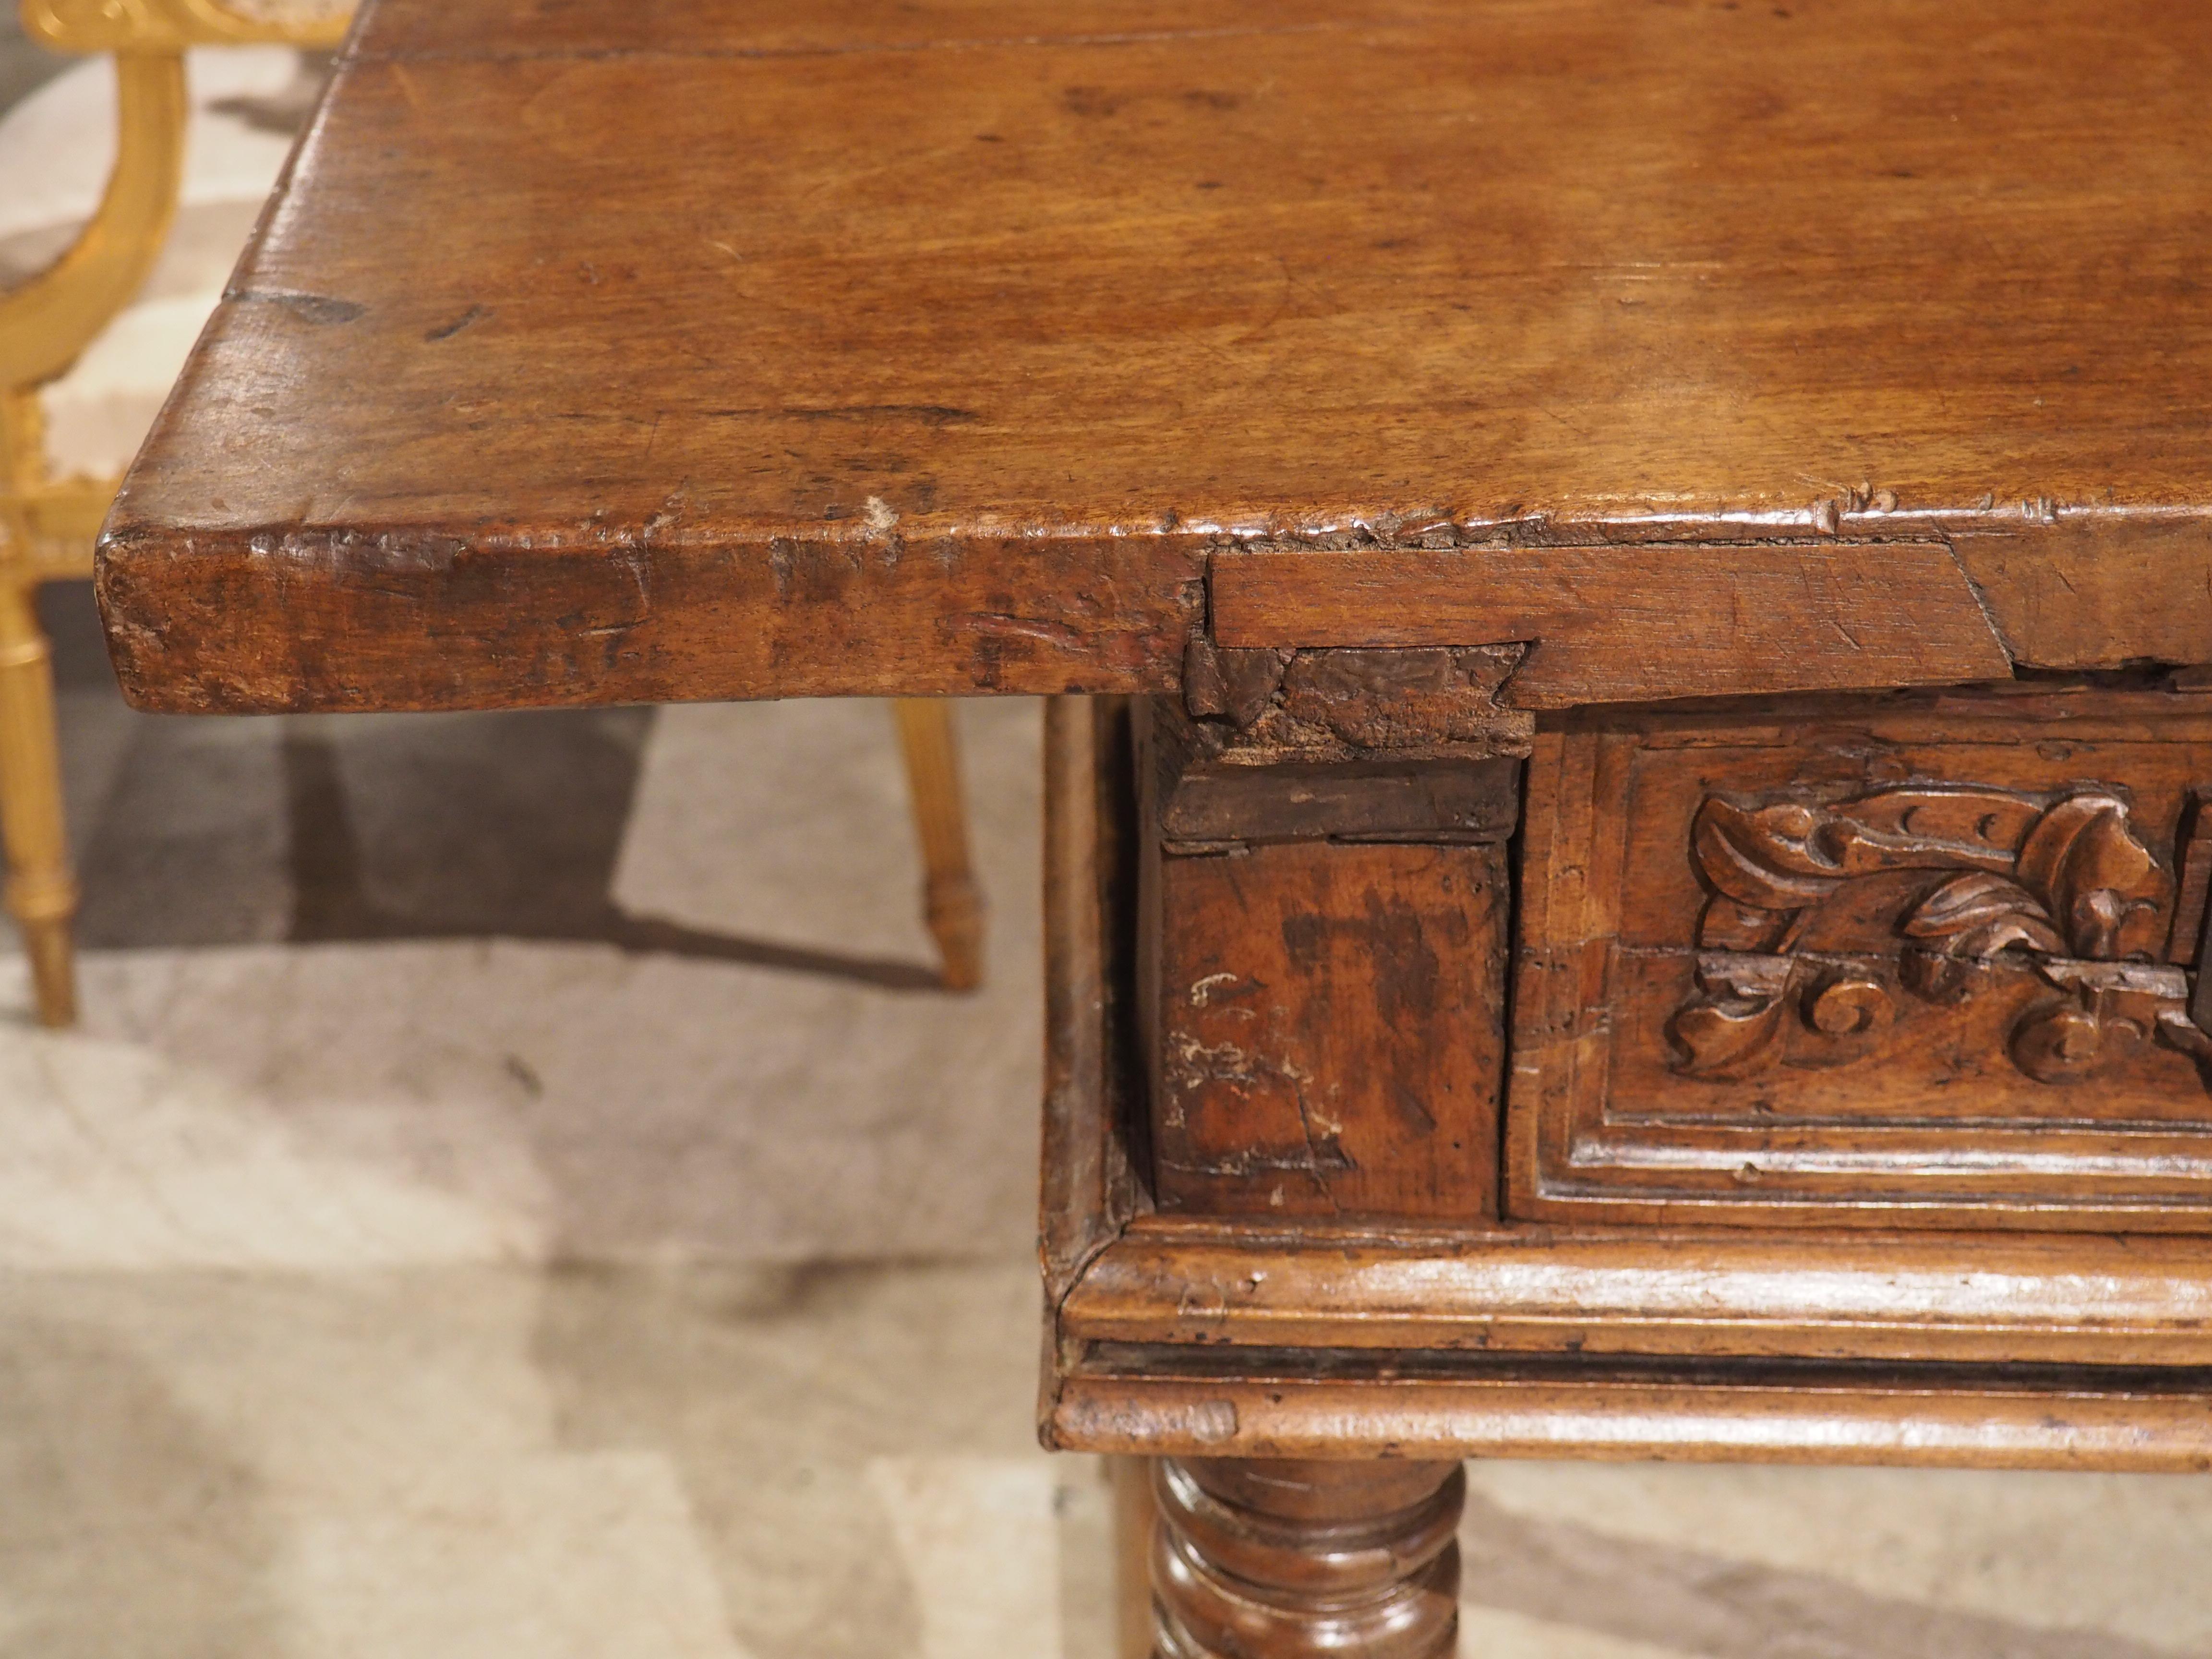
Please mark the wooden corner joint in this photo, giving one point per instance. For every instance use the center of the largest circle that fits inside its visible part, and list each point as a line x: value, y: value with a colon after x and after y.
x: 1619, y: 623
x: 1342, y: 704
x: 1337, y: 745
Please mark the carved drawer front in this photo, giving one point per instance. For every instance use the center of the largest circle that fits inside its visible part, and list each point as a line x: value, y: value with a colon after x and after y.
x: 1929, y: 960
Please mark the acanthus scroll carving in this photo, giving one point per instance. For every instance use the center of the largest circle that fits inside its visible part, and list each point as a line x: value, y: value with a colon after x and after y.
x: 2061, y: 886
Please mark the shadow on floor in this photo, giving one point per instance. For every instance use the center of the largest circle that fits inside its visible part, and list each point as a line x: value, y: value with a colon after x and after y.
x: 1680, y: 1598
x: 526, y: 874
x: 113, y: 1486
x: 206, y: 831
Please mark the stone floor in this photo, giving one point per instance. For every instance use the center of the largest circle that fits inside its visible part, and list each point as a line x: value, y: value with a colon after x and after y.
x: 518, y: 1190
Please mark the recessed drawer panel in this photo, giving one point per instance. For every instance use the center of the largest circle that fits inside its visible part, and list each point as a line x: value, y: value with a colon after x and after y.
x: 1919, y: 959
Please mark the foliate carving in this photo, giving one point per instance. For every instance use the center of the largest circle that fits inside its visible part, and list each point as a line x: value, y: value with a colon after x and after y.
x: 1846, y: 1003
x: 2061, y: 887
x: 2117, y: 1007
x: 1737, y: 1014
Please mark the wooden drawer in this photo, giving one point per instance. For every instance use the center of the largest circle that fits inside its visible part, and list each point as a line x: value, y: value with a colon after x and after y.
x: 1913, y: 960
x: 1374, y: 1309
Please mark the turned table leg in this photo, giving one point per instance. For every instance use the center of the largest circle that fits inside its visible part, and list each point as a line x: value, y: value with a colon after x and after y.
x: 1256, y: 1559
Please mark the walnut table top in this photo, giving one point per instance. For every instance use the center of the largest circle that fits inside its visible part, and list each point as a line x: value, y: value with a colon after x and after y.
x: 639, y: 350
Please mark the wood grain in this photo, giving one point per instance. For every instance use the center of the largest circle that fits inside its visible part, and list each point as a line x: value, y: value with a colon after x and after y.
x: 1206, y: 786
x: 1381, y: 799
x: 2058, y: 1298
x: 1290, y: 1336
x: 2193, y: 872
x: 922, y: 347
x: 1089, y: 1184
x: 1851, y: 1419
x: 1281, y: 1559
x: 422, y: 619
x: 1330, y: 1031
x: 1937, y: 1111
x: 775, y: 29
x: 1612, y: 624
x: 2066, y: 588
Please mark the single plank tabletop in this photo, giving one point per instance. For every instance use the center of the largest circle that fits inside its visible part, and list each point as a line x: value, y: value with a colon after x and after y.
x: 622, y: 350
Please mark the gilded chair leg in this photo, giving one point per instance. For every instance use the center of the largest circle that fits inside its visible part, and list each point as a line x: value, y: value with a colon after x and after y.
x: 41, y: 893
x: 952, y: 904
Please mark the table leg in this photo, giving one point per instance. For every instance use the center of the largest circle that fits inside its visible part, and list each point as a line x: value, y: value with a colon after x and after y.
x: 1255, y: 1559
x: 41, y: 893
x: 952, y: 904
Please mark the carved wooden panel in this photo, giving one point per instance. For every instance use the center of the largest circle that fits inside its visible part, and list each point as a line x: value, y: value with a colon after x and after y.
x: 1911, y: 959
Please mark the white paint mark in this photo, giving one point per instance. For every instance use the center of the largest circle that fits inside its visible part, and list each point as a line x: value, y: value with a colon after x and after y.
x: 1201, y: 992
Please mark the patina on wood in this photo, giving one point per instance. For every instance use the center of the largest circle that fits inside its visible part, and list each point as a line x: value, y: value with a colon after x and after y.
x: 1329, y: 1032
x: 1321, y: 945
x: 1610, y: 625
x: 1298, y: 1560
x: 942, y: 346
x: 1355, y: 378
x: 1889, y: 962
x: 1253, y: 1333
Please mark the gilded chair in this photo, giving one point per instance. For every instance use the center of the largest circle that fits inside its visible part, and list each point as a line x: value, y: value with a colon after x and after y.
x: 48, y: 522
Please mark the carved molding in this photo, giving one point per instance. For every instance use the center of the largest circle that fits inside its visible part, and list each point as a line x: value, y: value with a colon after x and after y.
x: 2059, y: 886
x: 166, y: 25
x: 1270, y: 705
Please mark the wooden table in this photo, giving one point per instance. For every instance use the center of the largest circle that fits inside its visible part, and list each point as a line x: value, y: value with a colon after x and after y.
x: 1626, y: 589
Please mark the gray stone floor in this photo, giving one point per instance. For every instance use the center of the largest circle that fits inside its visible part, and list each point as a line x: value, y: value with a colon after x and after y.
x: 517, y: 1190
x: 23, y: 66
